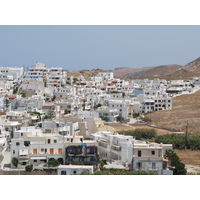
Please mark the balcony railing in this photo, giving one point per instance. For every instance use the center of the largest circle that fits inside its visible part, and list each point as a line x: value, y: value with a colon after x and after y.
x: 25, y: 157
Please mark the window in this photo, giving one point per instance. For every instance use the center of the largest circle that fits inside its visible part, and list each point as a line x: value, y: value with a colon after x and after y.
x: 59, y: 151
x: 42, y: 150
x: 55, y: 141
x: 21, y: 134
x: 139, y: 165
x: 49, y: 141
x: 153, y: 165
x: 13, y: 151
x: 152, y: 152
x: 63, y: 173
x: 74, y: 172
x: 17, y: 143
x: 34, y: 160
x: 51, y: 150
x: 34, y: 151
x: 139, y: 153
x: 26, y: 143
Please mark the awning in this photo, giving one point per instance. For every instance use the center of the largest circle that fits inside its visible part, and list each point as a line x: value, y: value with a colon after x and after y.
x: 23, y: 152
x: 38, y: 158
x: 165, y: 160
x: 105, y: 141
x: 116, y: 146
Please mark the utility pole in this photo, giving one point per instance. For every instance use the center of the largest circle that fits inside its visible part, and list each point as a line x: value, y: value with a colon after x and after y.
x: 150, y: 117
x: 186, y: 135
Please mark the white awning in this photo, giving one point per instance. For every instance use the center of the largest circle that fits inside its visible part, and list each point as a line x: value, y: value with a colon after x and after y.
x: 38, y: 158
x: 116, y: 146
x: 23, y: 152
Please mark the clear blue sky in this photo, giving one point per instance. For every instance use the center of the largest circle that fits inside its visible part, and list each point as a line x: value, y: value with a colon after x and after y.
x: 105, y: 47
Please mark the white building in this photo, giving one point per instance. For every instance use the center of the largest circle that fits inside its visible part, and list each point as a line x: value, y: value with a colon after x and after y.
x: 106, y: 75
x: 39, y: 69
x: 152, y: 100
x: 15, y: 73
x: 112, y: 146
x: 38, y: 149
x: 151, y: 157
x: 74, y: 169
x: 56, y: 76
x: 109, y: 113
x: 121, y: 106
x: 135, y: 154
x: 98, y: 80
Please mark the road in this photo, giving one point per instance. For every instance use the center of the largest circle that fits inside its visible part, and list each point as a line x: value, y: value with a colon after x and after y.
x: 6, y: 157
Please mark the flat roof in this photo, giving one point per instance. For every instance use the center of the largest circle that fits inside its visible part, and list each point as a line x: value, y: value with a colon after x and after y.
x: 74, y: 166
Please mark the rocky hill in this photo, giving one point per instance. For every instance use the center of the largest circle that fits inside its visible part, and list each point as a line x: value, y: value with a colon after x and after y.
x: 124, y: 72
x: 162, y: 71
x: 84, y: 73
x: 190, y: 70
x: 168, y: 72
x: 185, y: 107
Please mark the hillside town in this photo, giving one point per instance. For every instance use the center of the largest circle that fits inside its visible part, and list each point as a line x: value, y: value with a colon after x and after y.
x: 50, y: 120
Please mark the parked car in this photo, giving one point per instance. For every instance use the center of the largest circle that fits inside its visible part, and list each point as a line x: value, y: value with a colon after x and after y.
x: 140, y: 121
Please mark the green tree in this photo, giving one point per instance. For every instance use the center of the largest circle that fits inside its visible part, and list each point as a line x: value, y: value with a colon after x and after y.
x: 50, y: 114
x: 120, y: 118
x: 29, y: 168
x: 175, y: 161
x: 23, y: 94
x: 7, y: 102
x: 53, y: 163
x: 14, y: 161
x: 45, y: 117
x: 15, y: 90
x: 141, y: 133
x: 179, y: 141
x: 119, y: 172
x: 104, y: 118
x: 135, y: 115
x: 66, y: 111
x: 74, y: 80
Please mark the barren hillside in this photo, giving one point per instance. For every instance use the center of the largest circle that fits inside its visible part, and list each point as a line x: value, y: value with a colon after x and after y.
x: 162, y: 71
x: 124, y: 72
x: 185, y: 107
x: 85, y: 73
x: 190, y: 70
x: 168, y: 72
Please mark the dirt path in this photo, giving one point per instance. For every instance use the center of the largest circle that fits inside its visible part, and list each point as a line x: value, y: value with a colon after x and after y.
x: 129, y: 127
x: 185, y: 108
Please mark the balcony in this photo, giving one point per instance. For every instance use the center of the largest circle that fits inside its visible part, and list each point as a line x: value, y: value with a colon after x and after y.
x: 116, y: 148
x: 23, y: 157
x: 103, y: 144
x: 38, y: 156
x: 153, y: 169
